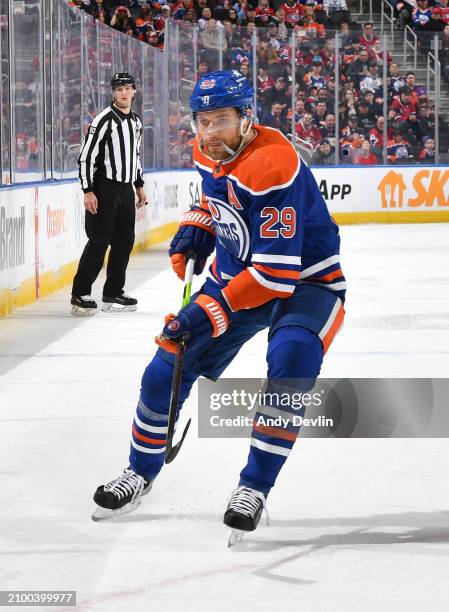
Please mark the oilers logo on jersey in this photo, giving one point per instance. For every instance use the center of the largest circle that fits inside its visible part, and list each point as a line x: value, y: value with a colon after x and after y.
x: 230, y: 228
x: 273, y: 227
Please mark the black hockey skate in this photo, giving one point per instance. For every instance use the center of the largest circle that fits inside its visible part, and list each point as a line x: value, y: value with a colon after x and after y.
x: 121, y: 303
x: 120, y: 496
x: 83, y: 306
x: 243, y: 512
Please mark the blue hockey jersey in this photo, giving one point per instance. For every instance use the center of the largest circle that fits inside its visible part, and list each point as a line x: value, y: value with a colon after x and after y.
x: 272, y: 224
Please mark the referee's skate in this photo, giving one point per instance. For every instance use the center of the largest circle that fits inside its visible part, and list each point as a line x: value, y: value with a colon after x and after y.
x: 121, y: 303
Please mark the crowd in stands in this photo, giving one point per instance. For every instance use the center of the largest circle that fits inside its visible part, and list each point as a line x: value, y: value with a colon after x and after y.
x: 225, y: 31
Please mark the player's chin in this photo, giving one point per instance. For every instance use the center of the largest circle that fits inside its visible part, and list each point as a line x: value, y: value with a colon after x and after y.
x: 216, y: 150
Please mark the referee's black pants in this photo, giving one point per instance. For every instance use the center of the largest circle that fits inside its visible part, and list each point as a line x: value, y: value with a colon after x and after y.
x: 112, y: 225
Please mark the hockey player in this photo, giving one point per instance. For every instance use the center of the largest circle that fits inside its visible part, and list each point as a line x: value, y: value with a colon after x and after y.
x: 277, y: 266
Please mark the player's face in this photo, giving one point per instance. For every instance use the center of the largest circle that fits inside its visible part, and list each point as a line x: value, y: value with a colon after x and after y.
x: 124, y: 95
x: 219, y: 127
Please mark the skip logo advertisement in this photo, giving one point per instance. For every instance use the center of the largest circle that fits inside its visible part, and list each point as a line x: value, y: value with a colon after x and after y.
x: 425, y: 188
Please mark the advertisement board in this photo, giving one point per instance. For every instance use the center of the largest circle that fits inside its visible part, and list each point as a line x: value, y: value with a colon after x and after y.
x: 42, y: 227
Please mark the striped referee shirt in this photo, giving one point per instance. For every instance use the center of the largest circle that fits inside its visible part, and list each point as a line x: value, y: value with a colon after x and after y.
x: 111, y: 148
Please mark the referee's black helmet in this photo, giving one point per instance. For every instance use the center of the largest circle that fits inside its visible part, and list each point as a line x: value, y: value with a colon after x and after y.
x: 122, y: 78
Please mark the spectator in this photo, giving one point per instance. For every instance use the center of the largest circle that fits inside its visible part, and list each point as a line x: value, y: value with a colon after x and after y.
x: 244, y: 69
x: 293, y: 11
x: 366, y: 118
x: 351, y: 128
x: 300, y: 109
x: 337, y: 12
x: 327, y: 131
x: 238, y: 55
x: 121, y: 20
x: 99, y: 11
x: 376, y: 136
x: 324, y: 154
x: 327, y: 54
x: 319, y: 13
x: 436, y: 24
x: 345, y: 34
x: 368, y: 39
x: 144, y: 22
x: 221, y: 10
x: 404, y: 10
x: 426, y: 122
x: 206, y: 15
x: 355, y: 49
x: 308, y: 23
x: 282, y: 24
x: 402, y: 105
x: 307, y: 132
x: 198, y: 7
x: 251, y: 29
x: 359, y: 68
x: 349, y: 101
x: 314, y: 78
x: 366, y: 156
x: 233, y: 17
x: 319, y: 114
x: 211, y: 37
x: 421, y: 16
x: 324, y: 96
x: 427, y: 153
x: 376, y: 104
x: 274, y: 40
x: 189, y: 16
x: 203, y: 68
x: 275, y: 67
x: 351, y: 147
x: 265, y: 83
x: 372, y: 81
x: 276, y: 118
x: 377, y: 54
x: 443, y: 9
x: 232, y: 34
x: 264, y: 14
x: 411, y: 129
x: 161, y: 18
x: 410, y: 82
x: 395, y: 82
x: 311, y: 98
x: 250, y: 17
x: 399, y: 150
x: 279, y: 93
x: 155, y: 39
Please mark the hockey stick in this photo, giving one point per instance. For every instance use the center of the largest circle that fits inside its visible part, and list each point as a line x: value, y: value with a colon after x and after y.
x: 172, y: 451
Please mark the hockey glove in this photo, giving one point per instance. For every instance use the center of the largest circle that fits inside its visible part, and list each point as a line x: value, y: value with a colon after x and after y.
x: 195, y: 233
x: 201, y: 320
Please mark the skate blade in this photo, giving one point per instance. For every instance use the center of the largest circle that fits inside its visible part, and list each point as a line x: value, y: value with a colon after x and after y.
x: 235, y: 537
x: 82, y: 312
x: 107, y: 307
x: 102, y: 514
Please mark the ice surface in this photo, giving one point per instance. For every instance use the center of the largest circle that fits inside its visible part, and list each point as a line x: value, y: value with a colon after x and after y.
x: 357, y: 525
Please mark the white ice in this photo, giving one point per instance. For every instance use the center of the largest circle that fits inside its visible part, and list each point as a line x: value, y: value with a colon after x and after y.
x: 357, y: 525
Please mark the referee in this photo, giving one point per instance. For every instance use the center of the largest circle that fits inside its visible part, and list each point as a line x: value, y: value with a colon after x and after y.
x: 109, y: 165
